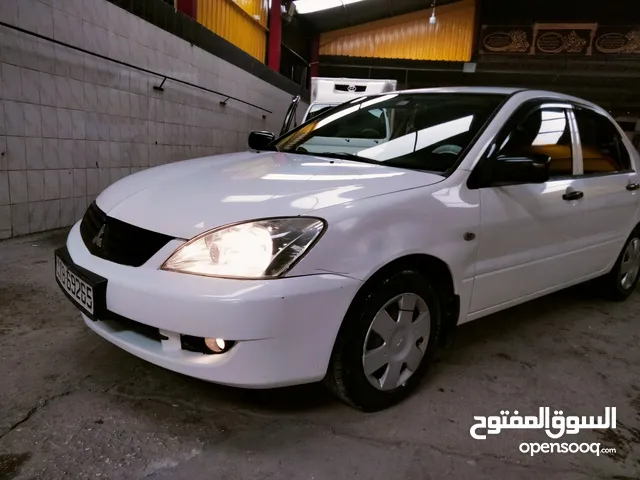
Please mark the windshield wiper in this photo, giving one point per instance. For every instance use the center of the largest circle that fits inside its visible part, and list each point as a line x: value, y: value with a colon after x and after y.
x: 346, y: 156
x: 271, y: 147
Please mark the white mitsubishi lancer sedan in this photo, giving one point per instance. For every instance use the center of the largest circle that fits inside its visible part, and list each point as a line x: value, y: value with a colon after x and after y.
x: 350, y: 248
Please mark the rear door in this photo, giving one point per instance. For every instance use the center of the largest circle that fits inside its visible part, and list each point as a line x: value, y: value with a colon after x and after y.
x: 610, y: 185
x: 532, y: 235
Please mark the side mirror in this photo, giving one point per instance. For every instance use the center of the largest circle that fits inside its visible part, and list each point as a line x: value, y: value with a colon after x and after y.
x: 259, y: 140
x: 514, y: 170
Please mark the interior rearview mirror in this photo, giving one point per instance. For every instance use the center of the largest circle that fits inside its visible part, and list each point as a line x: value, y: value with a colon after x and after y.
x: 514, y: 170
x: 260, y: 140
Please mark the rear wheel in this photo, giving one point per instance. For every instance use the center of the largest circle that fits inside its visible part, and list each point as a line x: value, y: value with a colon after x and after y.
x: 620, y: 283
x: 387, y: 341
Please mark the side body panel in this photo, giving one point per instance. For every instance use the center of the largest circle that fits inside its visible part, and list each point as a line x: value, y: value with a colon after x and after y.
x: 366, y: 235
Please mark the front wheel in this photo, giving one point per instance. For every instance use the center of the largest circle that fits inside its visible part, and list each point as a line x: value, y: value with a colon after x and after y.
x: 620, y: 283
x: 387, y: 341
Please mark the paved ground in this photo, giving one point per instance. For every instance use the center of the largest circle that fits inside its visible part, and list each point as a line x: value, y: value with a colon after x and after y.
x: 73, y: 406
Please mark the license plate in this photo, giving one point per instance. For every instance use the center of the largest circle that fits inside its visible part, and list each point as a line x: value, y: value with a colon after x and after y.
x: 79, y: 290
x: 85, y: 289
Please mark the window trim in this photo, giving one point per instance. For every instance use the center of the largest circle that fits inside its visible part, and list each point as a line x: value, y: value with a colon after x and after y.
x: 576, y: 146
x: 475, y: 180
x: 604, y: 174
x: 581, y: 106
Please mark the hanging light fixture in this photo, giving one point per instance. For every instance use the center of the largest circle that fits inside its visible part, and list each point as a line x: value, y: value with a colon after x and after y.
x: 432, y: 20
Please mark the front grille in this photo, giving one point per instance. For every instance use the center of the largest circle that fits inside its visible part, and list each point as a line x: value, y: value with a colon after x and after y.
x: 117, y: 241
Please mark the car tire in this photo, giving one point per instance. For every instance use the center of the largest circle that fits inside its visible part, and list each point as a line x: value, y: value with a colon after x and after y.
x: 360, y: 341
x: 622, y: 280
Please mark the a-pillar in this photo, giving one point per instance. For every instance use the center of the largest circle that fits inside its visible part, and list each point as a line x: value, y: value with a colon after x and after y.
x: 275, y: 35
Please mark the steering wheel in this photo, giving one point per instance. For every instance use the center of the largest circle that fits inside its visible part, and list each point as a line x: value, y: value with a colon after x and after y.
x: 370, y: 133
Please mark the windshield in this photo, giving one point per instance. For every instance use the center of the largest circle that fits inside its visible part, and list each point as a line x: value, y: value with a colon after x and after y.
x: 421, y: 131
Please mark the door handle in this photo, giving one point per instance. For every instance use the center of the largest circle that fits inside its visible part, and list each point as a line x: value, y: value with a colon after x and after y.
x: 575, y: 195
x: 633, y: 186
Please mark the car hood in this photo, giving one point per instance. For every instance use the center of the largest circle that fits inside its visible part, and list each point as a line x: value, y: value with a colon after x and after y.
x: 184, y: 199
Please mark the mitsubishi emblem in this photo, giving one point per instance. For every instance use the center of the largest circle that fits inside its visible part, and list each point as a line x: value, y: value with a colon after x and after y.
x: 97, y: 240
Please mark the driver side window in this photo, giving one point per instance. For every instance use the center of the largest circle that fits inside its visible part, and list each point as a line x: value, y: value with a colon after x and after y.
x: 543, y: 132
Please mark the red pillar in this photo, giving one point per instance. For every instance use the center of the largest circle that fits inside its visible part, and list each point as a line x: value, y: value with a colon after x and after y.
x: 314, y: 69
x: 275, y: 34
x: 188, y: 7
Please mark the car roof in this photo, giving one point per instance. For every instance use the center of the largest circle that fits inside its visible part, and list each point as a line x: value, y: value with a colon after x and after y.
x: 496, y: 90
x: 507, y: 91
x: 531, y: 93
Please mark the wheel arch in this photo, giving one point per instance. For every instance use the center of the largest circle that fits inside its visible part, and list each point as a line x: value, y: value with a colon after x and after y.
x: 438, y: 272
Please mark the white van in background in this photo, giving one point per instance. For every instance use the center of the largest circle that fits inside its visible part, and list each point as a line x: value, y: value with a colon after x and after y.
x: 327, y: 93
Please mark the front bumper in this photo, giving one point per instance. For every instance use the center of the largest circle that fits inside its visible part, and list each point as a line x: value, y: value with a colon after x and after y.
x: 284, y: 328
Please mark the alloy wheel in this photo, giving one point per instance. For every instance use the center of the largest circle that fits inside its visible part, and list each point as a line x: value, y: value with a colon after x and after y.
x: 630, y: 264
x: 396, y: 341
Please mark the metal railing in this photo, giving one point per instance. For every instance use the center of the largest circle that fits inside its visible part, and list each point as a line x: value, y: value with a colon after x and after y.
x: 128, y: 65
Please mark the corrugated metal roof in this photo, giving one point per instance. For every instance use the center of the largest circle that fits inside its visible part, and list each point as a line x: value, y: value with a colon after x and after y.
x: 410, y: 36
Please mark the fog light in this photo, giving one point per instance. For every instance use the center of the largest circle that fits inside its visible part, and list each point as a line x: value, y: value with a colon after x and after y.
x: 208, y: 346
x: 217, y: 345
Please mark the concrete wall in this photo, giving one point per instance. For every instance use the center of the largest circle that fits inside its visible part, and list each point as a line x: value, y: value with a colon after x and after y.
x: 71, y: 124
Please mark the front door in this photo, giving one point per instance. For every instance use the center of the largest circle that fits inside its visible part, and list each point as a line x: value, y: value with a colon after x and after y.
x: 531, y: 235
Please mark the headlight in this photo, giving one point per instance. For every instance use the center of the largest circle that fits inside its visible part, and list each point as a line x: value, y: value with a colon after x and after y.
x: 259, y: 249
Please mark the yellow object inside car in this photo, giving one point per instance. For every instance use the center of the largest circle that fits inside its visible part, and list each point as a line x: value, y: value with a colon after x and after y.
x: 594, y: 160
x: 561, y: 159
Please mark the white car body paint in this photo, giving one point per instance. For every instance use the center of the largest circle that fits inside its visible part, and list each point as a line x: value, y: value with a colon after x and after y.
x: 194, y: 196
x: 529, y: 242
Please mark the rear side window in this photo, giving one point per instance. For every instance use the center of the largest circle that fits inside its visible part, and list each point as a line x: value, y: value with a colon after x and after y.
x: 602, y: 148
